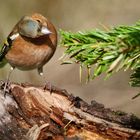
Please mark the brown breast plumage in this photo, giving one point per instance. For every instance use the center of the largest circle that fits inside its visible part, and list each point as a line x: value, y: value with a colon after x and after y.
x: 28, y: 54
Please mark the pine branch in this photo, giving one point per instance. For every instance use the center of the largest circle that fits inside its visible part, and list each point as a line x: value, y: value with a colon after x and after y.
x: 135, y: 78
x: 105, y: 51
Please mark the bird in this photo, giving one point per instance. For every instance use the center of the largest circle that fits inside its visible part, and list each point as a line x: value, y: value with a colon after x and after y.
x: 30, y: 45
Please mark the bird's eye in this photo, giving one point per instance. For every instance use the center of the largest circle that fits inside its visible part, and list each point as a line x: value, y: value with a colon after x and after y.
x: 38, y: 21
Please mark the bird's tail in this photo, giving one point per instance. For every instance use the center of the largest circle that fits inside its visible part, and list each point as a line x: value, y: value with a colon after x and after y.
x: 3, y: 62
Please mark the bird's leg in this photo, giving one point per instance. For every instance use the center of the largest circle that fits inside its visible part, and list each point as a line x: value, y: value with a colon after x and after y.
x: 47, y: 83
x: 6, y: 85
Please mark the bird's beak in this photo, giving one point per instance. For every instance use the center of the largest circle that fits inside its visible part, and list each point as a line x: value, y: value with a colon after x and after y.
x: 45, y: 31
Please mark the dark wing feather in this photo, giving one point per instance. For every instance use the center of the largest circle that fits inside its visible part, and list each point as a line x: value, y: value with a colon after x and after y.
x: 6, y: 47
x: 8, y: 44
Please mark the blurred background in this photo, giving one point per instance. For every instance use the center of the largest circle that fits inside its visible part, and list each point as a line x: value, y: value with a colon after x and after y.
x: 75, y: 15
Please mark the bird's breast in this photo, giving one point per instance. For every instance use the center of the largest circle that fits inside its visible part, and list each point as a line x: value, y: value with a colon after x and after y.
x: 27, y: 55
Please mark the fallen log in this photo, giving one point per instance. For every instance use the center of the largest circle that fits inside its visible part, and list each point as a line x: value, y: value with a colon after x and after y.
x: 31, y: 112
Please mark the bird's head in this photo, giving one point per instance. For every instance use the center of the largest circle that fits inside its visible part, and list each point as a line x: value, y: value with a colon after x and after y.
x: 33, y: 26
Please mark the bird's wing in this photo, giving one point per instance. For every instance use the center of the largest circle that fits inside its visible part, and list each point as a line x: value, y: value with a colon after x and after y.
x: 5, y: 48
x: 8, y: 43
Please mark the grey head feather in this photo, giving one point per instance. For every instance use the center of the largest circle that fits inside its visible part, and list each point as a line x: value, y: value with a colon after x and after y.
x: 29, y: 28
x: 32, y: 28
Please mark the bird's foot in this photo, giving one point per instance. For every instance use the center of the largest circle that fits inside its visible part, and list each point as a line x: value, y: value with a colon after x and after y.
x: 5, y: 87
x: 48, y: 86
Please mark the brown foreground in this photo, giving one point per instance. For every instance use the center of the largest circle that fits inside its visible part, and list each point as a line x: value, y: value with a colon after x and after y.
x: 31, y: 113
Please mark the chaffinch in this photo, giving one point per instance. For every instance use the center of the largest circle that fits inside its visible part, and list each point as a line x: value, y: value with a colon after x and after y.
x: 31, y: 43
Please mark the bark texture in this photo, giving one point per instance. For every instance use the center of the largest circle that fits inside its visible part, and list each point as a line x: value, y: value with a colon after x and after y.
x: 31, y: 113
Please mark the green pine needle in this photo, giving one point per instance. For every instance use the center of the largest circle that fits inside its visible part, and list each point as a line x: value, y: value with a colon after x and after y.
x: 108, y: 51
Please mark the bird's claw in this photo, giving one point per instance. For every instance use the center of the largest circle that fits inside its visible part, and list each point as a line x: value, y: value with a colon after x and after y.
x: 5, y: 87
x: 48, y: 86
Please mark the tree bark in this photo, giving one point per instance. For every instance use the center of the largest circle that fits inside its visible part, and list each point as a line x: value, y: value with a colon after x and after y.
x: 31, y: 112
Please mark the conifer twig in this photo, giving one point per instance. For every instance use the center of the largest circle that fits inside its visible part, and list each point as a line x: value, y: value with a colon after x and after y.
x: 108, y: 51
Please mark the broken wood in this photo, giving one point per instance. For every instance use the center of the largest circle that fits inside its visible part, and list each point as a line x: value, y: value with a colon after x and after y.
x: 31, y: 113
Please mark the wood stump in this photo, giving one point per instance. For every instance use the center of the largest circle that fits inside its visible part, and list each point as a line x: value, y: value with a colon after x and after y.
x: 31, y: 112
